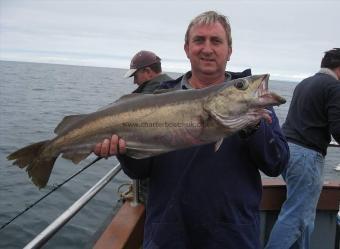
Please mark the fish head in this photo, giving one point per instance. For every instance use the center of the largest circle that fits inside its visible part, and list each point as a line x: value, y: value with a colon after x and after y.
x: 244, y: 100
x: 253, y: 92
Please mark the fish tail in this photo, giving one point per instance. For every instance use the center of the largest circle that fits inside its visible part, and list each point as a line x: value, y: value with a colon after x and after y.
x: 39, y: 166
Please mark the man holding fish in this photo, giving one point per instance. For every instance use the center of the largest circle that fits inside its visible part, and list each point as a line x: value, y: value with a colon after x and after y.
x: 208, y: 196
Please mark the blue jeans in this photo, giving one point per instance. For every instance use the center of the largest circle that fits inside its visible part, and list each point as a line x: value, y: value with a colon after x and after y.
x: 304, y: 179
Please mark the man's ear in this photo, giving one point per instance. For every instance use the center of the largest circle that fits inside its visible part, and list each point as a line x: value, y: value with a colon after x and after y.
x: 186, y: 49
x: 149, y: 73
x: 337, y: 72
x: 148, y: 70
x: 229, y: 54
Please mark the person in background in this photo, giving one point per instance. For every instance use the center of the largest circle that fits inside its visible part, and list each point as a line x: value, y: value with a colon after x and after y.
x: 199, y: 198
x: 313, y: 116
x: 146, y: 69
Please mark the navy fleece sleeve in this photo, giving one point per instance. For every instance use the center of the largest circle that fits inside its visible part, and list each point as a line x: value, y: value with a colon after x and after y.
x: 135, y: 168
x: 268, y: 147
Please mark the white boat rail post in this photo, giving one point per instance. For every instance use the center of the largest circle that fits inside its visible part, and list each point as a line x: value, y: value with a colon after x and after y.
x: 58, y: 223
x: 135, y: 190
x: 337, y: 230
x: 333, y: 144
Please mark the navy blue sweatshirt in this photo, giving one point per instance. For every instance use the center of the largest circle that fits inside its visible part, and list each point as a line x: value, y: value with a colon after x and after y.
x: 199, y: 198
x: 314, y: 113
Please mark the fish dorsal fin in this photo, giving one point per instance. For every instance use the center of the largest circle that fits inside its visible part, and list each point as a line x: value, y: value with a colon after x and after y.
x: 160, y: 91
x: 129, y: 96
x: 67, y: 122
x: 124, y: 97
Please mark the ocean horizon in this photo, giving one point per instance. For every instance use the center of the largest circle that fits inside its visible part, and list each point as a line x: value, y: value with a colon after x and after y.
x: 175, y: 66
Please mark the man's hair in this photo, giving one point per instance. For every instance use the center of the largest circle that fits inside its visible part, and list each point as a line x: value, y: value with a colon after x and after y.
x: 156, y: 67
x: 331, y: 59
x: 210, y: 17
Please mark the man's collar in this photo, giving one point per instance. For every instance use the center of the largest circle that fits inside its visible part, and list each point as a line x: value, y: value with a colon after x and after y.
x: 185, y: 80
x: 329, y: 72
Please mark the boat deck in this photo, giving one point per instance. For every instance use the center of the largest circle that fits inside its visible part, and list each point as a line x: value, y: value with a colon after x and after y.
x: 126, y: 229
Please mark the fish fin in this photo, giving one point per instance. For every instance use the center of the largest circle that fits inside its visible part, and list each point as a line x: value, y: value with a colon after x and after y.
x: 218, y: 144
x: 160, y: 91
x: 39, y: 168
x: 25, y: 156
x: 67, y: 122
x: 128, y: 96
x: 105, y: 107
x: 76, y: 156
x: 124, y: 97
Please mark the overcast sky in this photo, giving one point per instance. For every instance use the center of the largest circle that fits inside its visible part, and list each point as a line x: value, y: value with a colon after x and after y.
x: 284, y: 38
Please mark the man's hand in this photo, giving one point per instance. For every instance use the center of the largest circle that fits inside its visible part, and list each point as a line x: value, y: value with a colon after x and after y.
x: 111, y: 147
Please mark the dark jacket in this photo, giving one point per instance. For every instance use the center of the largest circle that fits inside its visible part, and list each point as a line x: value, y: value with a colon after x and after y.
x: 314, y: 113
x: 151, y: 85
x: 199, y: 198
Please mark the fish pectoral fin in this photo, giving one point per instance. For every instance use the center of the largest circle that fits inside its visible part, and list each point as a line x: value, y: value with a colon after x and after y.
x: 76, y: 156
x: 218, y: 144
x: 67, y: 122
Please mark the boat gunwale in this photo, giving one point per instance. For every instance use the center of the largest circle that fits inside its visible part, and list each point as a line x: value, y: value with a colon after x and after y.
x: 274, y: 194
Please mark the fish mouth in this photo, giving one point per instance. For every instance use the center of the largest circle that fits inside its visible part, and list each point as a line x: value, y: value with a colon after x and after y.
x: 266, y: 98
x: 262, y: 99
x: 271, y: 99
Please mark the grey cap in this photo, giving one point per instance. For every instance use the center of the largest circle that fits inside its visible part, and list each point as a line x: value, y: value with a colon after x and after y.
x: 141, y: 59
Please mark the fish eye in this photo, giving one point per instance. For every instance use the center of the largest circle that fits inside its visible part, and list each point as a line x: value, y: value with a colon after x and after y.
x: 241, y: 84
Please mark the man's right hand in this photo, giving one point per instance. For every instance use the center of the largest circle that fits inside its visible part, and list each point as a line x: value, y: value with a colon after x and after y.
x: 111, y: 147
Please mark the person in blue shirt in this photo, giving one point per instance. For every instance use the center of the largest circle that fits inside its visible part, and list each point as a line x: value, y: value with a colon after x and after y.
x: 199, y: 198
x: 313, y: 116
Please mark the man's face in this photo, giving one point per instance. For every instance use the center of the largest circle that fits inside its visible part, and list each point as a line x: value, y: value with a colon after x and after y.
x: 208, y: 49
x: 140, y: 76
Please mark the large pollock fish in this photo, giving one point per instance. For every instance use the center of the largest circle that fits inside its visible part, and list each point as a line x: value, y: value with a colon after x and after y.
x: 152, y: 124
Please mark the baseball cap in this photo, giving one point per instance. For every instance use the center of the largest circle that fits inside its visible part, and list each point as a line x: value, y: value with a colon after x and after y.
x: 141, y: 59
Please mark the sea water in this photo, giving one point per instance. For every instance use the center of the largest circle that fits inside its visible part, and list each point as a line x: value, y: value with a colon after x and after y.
x: 34, y: 98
